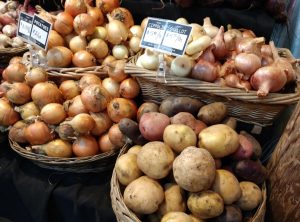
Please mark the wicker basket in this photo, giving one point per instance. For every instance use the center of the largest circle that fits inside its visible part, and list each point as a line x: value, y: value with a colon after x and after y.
x: 123, y: 214
x: 244, y: 106
x: 76, y: 73
x: 98, y: 163
x: 7, y: 53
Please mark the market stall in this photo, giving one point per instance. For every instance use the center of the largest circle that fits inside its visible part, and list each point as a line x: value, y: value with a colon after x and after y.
x: 111, y: 112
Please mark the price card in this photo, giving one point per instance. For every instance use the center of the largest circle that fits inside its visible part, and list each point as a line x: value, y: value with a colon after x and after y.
x: 166, y: 36
x: 24, y: 26
x: 40, y: 31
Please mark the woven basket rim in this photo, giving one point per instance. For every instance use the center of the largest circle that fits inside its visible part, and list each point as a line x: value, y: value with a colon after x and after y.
x: 57, y: 160
x: 121, y: 210
x: 212, y: 88
x: 10, y: 50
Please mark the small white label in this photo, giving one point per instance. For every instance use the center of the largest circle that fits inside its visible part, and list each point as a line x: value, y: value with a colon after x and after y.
x: 24, y: 26
x: 154, y: 36
x: 39, y: 34
x: 174, y: 40
x: 40, y: 31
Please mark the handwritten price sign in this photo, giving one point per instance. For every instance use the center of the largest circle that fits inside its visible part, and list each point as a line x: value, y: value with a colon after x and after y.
x: 40, y: 31
x: 24, y: 26
x: 166, y: 36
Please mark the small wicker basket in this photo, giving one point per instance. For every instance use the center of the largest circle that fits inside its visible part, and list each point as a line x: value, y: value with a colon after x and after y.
x: 244, y: 106
x: 98, y: 163
x: 7, y: 53
x: 76, y: 72
x: 123, y: 214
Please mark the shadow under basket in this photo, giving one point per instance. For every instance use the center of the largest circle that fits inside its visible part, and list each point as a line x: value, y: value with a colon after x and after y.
x: 7, y: 53
x: 97, y: 163
x: 244, y: 106
x: 124, y: 214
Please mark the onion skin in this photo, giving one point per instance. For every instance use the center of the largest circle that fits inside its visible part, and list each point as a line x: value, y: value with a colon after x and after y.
x: 107, y: 6
x: 95, y: 98
x: 16, y: 72
x: 83, y: 59
x: 59, y: 56
x: 227, y: 68
x: 53, y: 113
x: 85, y: 146
x: 98, y: 48
x: 77, y: 43
x: 44, y: 93
x: 220, y: 50
x: 17, y: 132
x: 102, y: 123
x: 84, y: 24
x: 8, y: 116
x: 75, y: 7
x: 56, y: 148
x: 69, y: 89
x: 75, y: 106
x: 105, y: 145
x: 230, y: 38
x: 249, y: 45
x: 116, y: 31
x: 65, y: 131
x: 96, y: 14
x: 268, y: 79
x: 63, y: 23
x: 208, y: 55
x: 120, y: 108
x: 28, y: 110
x: 19, y: 93
x: 232, y: 80
x: 55, y: 39
x: 116, y: 137
x: 266, y: 51
x: 82, y: 123
x: 205, y: 71
x: 123, y: 15
x: 247, y: 63
x: 116, y: 70
x: 15, y: 59
x: 129, y: 88
x: 38, y: 133
x: 88, y: 79
x: 112, y: 87
x: 36, y: 75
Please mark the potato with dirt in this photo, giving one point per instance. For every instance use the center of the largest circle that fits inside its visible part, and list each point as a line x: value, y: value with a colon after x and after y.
x: 173, y: 105
x: 231, y: 213
x: 245, y: 149
x: 152, y: 125
x: 251, y: 170
x: 130, y: 129
x: 194, y: 169
x: 155, y: 159
x: 174, y: 199
x: 189, y: 120
x: 127, y: 169
x: 176, y: 217
x: 143, y: 195
x: 251, y: 196
x: 227, y: 185
x: 206, y: 204
x: 179, y: 136
x: 220, y: 140
x: 212, y: 113
x: 146, y: 108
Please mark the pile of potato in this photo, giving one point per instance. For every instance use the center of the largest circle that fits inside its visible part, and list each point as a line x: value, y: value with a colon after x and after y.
x: 189, y: 164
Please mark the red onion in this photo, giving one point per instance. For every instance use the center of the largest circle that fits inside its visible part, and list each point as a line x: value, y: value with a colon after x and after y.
x: 247, y: 63
x: 6, y: 19
x: 208, y: 55
x: 220, y: 50
x: 227, y: 68
x: 205, y: 71
x: 232, y: 80
x: 250, y: 45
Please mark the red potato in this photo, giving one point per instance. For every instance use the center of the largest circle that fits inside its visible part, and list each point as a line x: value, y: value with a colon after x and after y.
x: 146, y: 108
x: 255, y: 145
x: 189, y: 120
x: 245, y: 149
x: 152, y: 125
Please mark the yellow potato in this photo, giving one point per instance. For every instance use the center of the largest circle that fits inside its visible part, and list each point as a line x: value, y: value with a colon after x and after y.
x: 135, y: 149
x: 206, y: 204
x: 251, y: 196
x: 227, y: 185
x: 220, y: 140
x: 212, y: 113
x: 179, y: 136
x: 195, y: 219
x: 176, y: 217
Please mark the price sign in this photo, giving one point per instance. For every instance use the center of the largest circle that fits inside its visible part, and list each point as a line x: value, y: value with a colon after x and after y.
x: 24, y: 26
x: 40, y: 31
x: 166, y: 36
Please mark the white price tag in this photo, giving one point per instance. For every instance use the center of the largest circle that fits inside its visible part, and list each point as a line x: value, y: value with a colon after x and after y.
x: 40, y: 31
x: 24, y: 26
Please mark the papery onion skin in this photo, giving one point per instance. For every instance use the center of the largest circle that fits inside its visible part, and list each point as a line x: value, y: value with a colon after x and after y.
x: 38, y: 133
x: 220, y: 50
x: 85, y: 146
x: 96, y: 14
x: 129, y: 88
x: 116, y: 137
x: 56, y: 148
x: 102, y: 123
x: 17, y: 132
x: 98, y: 48
x: 36, y: 75
x: 77, y: 43
x: 105, y: 145
x: 83, y: 59
x: 82, y: 123
x: 111, y: 86
x: 59, y: 56
x: 205, y: 71
x: 16, y: 72
x: 116, y: 31
x: 8, y: 116
x: 120, y: 108
x: 55, y: 39
x: 84, y: 24
x: 88, y: 79
x: 247, y: 63
x: 75, y: 106
x: 232, y: 80
x: 116, y: 70
x: 75, y: 7
x: 107, y: 6
x: 63, y: 23
x: 123, y: 15
x: 28, y: 110
x: 44, y: 93
x: 95, y: 98
x: 19, y: 93
x: 65, y: 131
x: 136, y: 31
x: 53, y: 113
x: 69, y: 89
x: 250, y: 45
x: 16, y: 59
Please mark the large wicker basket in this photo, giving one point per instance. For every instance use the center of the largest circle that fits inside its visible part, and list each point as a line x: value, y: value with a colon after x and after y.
x: 98, y: 163
x: 123, y: 214
x: 7, y: 53
x: 76, y: 73
x: 244, y: 106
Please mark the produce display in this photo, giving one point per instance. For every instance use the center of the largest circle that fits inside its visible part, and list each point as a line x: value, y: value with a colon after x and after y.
x: 189, y: 164
x: 233, y: 58
x: 65, y: 117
